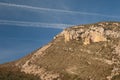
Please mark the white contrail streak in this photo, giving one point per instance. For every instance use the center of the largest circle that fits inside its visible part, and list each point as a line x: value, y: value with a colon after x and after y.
x: 34, y: 24
x: 56, y: 10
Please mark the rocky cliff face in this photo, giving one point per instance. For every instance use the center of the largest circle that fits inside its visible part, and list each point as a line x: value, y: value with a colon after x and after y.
x: 93, y: 33
x: 83, y: 52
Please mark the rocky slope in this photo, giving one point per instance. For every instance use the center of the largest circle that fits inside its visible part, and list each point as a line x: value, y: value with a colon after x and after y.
x: 83, y: 52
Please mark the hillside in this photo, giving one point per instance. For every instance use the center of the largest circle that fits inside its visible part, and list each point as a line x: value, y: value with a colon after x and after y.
x: 83, y: 52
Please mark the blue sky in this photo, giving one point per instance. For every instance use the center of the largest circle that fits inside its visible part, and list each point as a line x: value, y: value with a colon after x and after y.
x: 26, y: 25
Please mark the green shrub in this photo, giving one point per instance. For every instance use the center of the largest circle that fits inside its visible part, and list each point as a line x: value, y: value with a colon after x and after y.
x: 15, y: 74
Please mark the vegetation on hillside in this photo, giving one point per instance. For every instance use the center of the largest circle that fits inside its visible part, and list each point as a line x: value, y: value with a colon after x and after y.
x: 13, y: 73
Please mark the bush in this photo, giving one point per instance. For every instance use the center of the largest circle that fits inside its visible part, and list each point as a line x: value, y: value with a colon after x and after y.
x: 14, y: 74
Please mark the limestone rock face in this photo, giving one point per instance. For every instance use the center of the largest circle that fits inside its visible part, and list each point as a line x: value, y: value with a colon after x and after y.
x: 90, y: 34
x: 67, y: 36
x: 72, y: 34
x: 93, y: 34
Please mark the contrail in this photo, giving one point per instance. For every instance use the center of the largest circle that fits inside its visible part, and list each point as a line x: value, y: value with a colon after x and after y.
x: 56, y: 10
x: 34, y: 24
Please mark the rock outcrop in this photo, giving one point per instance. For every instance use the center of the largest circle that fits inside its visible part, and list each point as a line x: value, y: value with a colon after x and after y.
x: 91, y: 34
